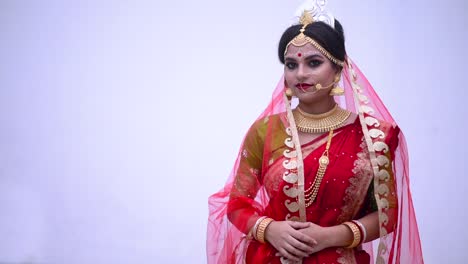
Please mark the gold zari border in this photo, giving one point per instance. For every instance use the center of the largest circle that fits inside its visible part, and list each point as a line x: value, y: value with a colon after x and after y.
x: 375, y: 139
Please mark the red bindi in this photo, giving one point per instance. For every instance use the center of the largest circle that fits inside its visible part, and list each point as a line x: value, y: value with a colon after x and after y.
x: 299, y: 54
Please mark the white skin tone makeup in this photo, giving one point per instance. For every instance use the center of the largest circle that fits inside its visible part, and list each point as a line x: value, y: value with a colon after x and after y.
x: 305, y: 67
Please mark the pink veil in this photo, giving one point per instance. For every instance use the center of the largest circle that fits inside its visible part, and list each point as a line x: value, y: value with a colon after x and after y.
x: 399, y: 237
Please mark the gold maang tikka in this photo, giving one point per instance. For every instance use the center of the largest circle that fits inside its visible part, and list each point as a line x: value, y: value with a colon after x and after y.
x: 302, y: 39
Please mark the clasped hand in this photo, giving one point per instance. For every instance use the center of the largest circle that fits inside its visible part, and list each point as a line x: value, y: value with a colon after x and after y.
x: 296, y: 240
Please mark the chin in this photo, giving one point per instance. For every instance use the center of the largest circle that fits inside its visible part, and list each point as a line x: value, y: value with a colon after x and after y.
x: 312, y: 98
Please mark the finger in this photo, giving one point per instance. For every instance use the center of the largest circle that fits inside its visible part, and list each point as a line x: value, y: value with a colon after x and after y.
x: 278, y: 254
x: 288, y: 261
x: 296, y: 251
x: 289, y: 256
x: 307, y: 249
x: 303, y: 238
x: 298, y: 225
x: 297, y: 254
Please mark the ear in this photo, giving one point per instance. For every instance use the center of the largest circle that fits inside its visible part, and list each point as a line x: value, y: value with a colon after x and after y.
x: 337, y: 69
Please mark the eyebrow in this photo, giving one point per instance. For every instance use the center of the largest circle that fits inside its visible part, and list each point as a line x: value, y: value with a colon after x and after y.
x: 313, y: 56
x: 289, y: 59
x: 306, y: 58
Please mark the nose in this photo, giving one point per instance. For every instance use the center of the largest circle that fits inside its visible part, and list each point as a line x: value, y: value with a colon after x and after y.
x: 300, y: 74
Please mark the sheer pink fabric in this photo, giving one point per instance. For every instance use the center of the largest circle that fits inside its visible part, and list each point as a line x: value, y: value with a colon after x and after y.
x: 235, y: 208
x: 403, y: 244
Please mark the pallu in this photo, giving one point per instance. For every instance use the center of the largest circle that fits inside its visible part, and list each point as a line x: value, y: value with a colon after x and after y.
x: 368, y: 171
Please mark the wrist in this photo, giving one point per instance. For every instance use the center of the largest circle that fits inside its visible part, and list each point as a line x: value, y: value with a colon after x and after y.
x: 268, y: 231
x: 329, y: 236
x: 339, y: 236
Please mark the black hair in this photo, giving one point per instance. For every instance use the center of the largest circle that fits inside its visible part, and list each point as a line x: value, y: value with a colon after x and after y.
x: 330, y: 39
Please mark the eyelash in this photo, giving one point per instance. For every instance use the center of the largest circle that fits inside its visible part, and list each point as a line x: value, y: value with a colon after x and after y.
x: 291, y: 65
x: 315, y: 63
x: 312, y: 64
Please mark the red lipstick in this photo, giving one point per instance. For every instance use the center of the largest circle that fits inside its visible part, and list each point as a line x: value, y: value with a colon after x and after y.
x: 303, y: 86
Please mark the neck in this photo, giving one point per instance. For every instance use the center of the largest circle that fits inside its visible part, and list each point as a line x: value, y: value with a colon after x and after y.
x: 320, y: 107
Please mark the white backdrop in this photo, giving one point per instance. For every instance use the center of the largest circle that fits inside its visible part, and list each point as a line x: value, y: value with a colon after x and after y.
x: 119, y: 118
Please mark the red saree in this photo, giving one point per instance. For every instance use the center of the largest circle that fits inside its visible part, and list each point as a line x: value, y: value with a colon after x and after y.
x: 368, y: 171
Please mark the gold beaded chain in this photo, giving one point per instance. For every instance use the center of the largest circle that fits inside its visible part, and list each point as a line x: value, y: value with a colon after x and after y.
x: 321, y: 123
x: 311, y: 193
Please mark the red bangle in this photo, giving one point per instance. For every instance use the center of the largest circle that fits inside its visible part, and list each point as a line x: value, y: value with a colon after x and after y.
x: 362, y: 230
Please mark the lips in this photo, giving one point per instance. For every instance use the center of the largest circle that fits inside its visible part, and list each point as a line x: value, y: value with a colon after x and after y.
x: 303, y: 86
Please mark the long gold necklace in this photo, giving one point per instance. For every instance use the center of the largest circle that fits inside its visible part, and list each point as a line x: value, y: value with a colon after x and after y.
x: 310, y: 123
x: 311, y: 193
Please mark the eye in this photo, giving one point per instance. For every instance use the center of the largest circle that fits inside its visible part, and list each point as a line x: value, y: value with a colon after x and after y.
x: 315, y: 63
x: 291, y: 65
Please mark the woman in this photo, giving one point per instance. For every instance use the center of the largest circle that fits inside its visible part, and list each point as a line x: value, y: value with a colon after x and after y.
x: 316, y: 183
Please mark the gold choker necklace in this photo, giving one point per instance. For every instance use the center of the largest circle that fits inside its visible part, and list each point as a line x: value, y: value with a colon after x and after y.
x: 321, y: 123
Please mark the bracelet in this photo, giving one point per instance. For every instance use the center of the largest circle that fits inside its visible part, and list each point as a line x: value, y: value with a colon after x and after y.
x: 254, y: 228
x: 356, y: 234
x: 261, y: 229
x: 362, y: 229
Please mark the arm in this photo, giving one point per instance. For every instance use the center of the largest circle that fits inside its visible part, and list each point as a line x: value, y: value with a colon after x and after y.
x: 244, y: 211
x: 341, y: 236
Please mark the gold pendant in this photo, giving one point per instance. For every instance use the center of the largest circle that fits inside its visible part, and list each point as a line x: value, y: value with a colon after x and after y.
x: 324, y: 161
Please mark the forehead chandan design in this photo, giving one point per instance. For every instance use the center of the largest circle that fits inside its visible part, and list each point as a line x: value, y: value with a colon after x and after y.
x: 300, y: 53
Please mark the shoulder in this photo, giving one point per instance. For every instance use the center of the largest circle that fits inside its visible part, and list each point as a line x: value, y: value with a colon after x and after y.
x: 384, y: 131
x: 269, y: 123
x: 391, y: 131
x: 271, y: 128
x: 381, y: 126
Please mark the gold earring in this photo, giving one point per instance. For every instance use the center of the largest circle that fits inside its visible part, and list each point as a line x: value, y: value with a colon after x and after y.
x: 337, y: 91
x: 288, y: 93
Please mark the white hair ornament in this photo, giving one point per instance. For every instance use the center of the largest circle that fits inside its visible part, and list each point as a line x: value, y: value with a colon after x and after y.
x: 316, y: 8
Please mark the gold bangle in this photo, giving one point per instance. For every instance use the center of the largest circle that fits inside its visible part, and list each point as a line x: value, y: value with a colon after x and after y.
x: 261, y: 229
x: 254, y: 228
x: 356, y: 234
